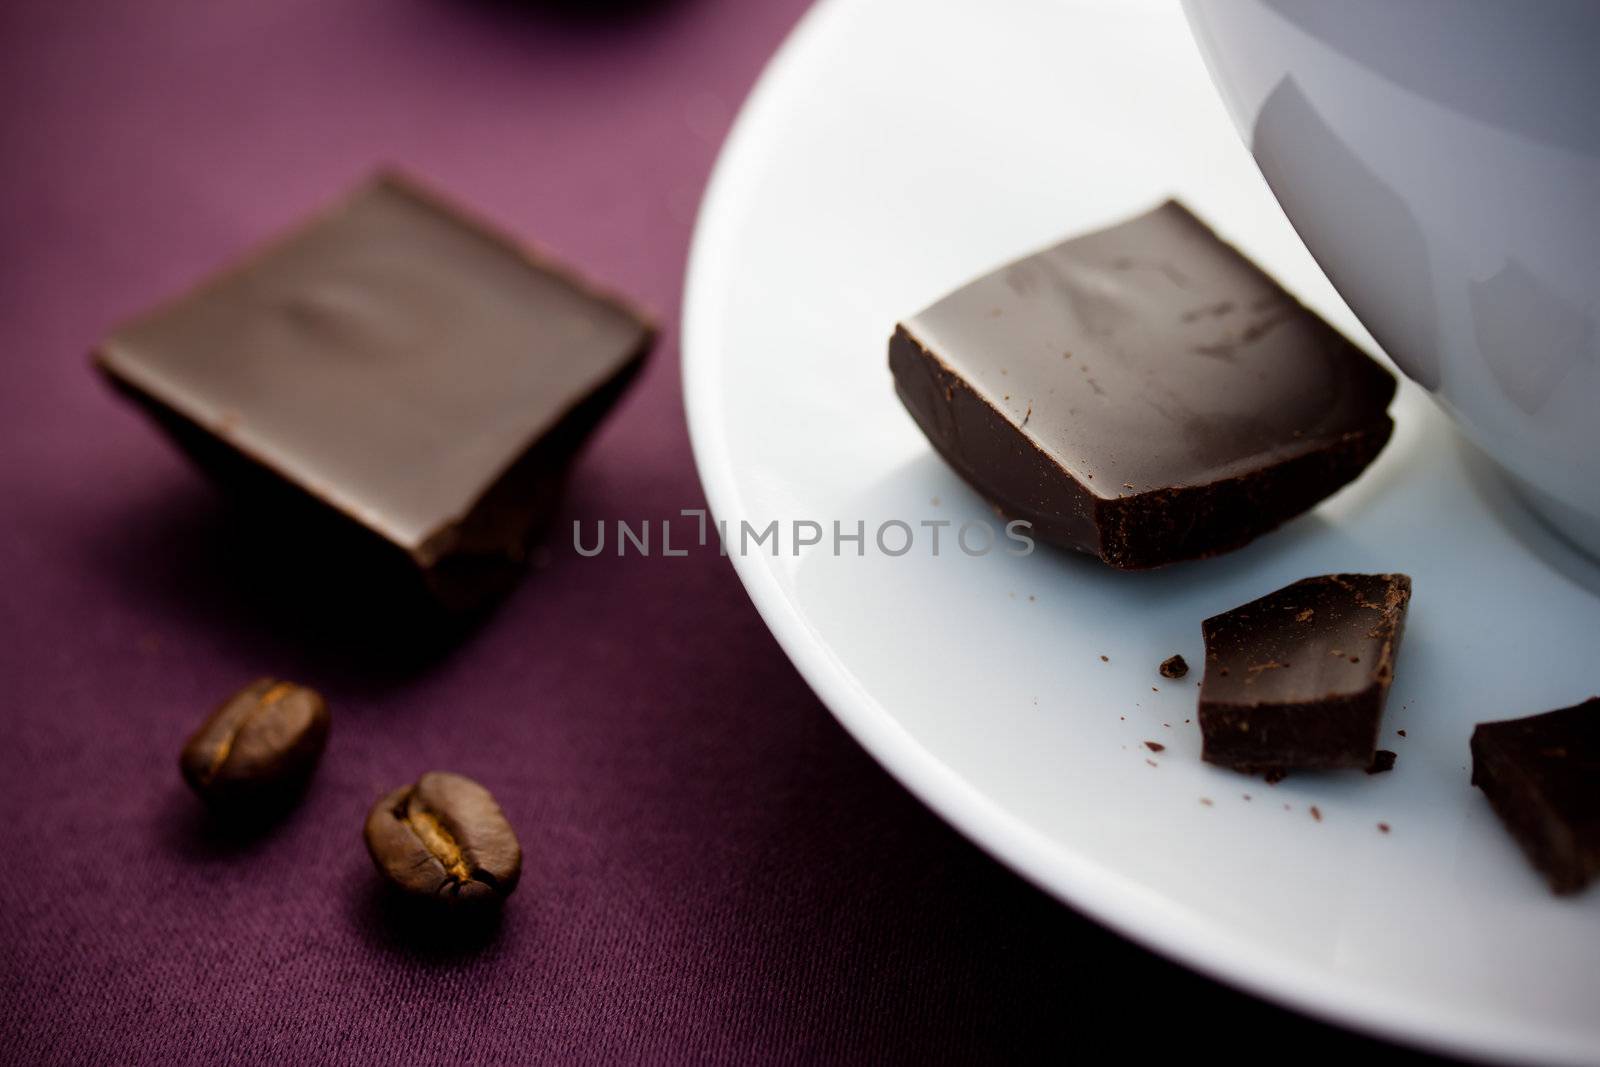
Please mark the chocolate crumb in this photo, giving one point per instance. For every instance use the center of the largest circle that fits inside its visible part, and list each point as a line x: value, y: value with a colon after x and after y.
x: 1402, y: 733
x: 1174, y: 667
x: 1247, y: 796
x: 1382, y: 760
x: 1275, y: 775
x: 1105, y: 659
x: 1383, y: 827
x: 1155, y: 746
x: 1315, y: 813
x: 1206, y: 801
x: 1152, y: 763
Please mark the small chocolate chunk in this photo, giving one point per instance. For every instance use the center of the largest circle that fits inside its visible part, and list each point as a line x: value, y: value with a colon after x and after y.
x: 444, y: 839
x: 257, y: 750
x: 1143, y: 393
x: 1382, y: 760
x: 1174, y: 667
x: 1298, y: 678
x: 1542, y: 777
x: 391, y: 375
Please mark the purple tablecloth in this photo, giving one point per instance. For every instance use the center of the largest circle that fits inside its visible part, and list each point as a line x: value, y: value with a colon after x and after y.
x: 714, y: 870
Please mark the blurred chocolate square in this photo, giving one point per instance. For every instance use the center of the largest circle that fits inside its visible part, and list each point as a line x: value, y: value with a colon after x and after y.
x: 406, y: 371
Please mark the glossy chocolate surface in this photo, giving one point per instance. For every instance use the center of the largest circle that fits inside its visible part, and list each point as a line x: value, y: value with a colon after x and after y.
x: 397, y: 362
x: 1144, y: 392
x: 1299, y: 677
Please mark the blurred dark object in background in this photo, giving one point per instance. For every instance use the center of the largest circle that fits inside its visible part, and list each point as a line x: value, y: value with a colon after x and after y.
x: 596, y: 12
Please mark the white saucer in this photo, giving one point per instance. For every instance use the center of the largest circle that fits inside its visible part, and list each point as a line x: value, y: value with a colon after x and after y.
x: 895, y: 148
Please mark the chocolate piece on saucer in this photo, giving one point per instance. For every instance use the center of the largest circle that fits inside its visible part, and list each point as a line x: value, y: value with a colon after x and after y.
x: 1542, y: 776
x: 1383, y: 761
x: 1143, y: 393
x: 1298, y: 678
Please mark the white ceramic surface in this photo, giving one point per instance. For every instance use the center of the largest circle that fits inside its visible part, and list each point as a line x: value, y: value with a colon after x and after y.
x: 894, y: 149
x: 1441, y: 159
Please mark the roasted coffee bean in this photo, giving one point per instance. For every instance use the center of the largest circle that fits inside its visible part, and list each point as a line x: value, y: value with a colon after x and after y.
x: 259, y: 748
x: 445, y: 839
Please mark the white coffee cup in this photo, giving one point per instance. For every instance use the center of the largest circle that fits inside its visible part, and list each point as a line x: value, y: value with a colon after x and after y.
x: 1441, y: 160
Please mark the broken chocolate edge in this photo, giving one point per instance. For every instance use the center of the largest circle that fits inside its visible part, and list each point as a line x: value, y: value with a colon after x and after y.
x: 1346, y: 457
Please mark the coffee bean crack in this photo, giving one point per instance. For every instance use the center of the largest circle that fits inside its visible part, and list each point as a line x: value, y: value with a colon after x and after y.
x: 444, y: 838
x: 437, y: 840
x: 225, y: 748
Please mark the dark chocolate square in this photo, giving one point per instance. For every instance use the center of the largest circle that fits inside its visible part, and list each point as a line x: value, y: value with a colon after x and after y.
x: 1143, y: 393
x: 398, y: 363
